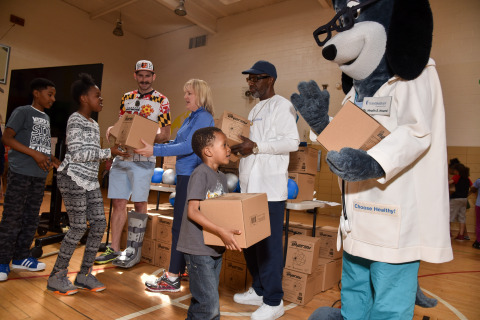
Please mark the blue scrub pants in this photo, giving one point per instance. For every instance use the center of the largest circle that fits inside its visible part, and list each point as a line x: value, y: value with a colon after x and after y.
x: 377, y: 290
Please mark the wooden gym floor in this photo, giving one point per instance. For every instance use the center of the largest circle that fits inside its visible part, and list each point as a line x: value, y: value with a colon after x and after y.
x: 24, y: 296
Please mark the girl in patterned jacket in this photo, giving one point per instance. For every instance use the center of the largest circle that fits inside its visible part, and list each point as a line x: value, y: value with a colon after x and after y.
x: 77, y: 180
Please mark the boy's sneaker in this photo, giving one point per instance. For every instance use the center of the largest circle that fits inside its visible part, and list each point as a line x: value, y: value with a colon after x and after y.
x: 163, y: 284
x: 89, y: 282
x: 250, y: 297
x: 466, y: 237
x: 4, y: 271
x: 60, y: 284
x: 184, y: 276
x: 268, y: 312
x: 30, y: 264
x: 108, y: 256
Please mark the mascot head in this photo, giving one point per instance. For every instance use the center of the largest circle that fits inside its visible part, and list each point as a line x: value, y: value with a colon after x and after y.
x: 377, y: 39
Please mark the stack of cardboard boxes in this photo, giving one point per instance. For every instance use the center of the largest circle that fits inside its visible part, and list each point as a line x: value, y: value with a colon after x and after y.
x: 302, y: 169
x: 313, y: 265
x: 234, y: 274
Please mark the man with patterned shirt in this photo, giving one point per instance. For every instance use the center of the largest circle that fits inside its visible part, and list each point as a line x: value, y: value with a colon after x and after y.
x: 130, y: 177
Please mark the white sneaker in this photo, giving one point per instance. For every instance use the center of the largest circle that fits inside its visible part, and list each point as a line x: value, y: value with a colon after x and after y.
x: 266, y: 312
x: 249, y: 297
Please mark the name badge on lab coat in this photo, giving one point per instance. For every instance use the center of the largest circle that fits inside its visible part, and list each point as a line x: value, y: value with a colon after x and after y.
x: 377, y: 105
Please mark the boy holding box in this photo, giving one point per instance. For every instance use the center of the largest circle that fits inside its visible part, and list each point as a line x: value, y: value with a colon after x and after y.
x: 204, y: 262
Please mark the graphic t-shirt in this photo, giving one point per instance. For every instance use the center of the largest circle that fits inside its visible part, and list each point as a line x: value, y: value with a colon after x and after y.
x: 204, y: 184
x: 32, y: 128
x: 153, y: 106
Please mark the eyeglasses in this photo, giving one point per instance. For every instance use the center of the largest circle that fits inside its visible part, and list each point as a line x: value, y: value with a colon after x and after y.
x: 343, y: 20
x: 256, y: 79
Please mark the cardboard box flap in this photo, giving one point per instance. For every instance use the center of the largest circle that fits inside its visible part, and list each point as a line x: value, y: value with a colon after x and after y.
x: 352, y: 127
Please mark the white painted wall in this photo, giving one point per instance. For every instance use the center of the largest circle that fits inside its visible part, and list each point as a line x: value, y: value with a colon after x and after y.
x: 57, y: 34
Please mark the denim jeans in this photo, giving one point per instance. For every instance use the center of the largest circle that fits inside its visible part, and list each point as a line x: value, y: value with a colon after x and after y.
x: 20, y: 218
x: 204, y: 275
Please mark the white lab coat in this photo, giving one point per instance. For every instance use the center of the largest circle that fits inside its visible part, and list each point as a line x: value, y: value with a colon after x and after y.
x: 275, y: 131
x: 404, y: 216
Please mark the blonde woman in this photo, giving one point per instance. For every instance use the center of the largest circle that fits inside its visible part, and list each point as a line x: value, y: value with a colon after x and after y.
x: 198, y: 99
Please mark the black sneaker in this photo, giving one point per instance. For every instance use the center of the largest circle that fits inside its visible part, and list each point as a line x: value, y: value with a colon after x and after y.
x: 476, y: 245
x: 163, y: 284
x: 108, y: 256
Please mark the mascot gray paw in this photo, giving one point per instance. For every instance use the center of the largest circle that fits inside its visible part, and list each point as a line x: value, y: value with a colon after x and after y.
x: 326, y: 313
x: 354, y: 165
x: 423, y: 301
x: 312, y: 103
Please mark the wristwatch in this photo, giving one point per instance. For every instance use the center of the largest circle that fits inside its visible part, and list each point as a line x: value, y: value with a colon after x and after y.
x: 255, y: 148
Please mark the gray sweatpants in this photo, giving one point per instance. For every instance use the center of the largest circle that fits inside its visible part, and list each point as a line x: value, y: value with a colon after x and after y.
x: 82, y: 206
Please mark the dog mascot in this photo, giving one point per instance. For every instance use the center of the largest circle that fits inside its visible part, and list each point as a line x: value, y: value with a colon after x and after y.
x: 395, y: 210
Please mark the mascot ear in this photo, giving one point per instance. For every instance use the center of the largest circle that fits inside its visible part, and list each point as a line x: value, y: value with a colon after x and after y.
x: 347, y: 83
x: 409, y: 38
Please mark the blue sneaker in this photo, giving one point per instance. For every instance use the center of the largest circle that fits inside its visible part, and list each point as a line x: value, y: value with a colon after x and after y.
x: 4, y: 271
x: 30, y: 264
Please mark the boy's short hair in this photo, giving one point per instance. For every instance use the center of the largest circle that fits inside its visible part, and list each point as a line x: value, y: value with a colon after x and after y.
x: 203, y: 137
x: 40, y: 84
x: 81, y: 86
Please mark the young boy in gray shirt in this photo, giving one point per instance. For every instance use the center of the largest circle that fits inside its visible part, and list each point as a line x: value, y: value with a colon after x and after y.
x: 27, y: 133
x: 204, y: 262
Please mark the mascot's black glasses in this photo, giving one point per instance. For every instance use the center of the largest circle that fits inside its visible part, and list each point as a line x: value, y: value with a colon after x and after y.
x: 343, y: 20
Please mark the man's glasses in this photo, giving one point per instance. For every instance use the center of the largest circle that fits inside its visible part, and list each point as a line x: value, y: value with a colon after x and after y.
x: 343, y: 20
x: 256, y: 79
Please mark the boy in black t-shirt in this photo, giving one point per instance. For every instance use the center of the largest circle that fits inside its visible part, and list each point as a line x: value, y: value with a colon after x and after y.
x: 27, y: 133
x: 204, y: 262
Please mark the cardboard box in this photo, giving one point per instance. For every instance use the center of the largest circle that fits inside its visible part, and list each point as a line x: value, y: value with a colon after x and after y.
x: 164, y: 209
x: 134, y: 127
x: 235, y: 275
x: 327, y: 274
x: 302, y: 253
x: 306, y: 186
x: 148, y: 251
x: 164, y: 229
x: 328, y: 243
x: 162, y: 254
x: 233, y: 126
x: 352, y: 127
x: 298, y: 287
x: 247, y: 212
x: 169, y: 162
x: 304, y: 160
x: 151, y: 229
x: 115, y: 131
x: 301, y: 228
x: 235, y: 256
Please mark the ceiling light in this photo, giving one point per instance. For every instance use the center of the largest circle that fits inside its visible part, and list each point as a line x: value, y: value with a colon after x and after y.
x: 180, y: 9
x: 118, y: 31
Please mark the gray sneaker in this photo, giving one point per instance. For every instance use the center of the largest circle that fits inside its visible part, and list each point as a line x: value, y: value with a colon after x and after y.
x: 89, y: 282
x: 108, y: 256
x: 59, y: 284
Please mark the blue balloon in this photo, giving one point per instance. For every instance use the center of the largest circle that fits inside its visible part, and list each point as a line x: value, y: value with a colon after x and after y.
x: 157, y: 175
x: 292, y: 189
x: 171, y: 198
x: 237, y: 189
